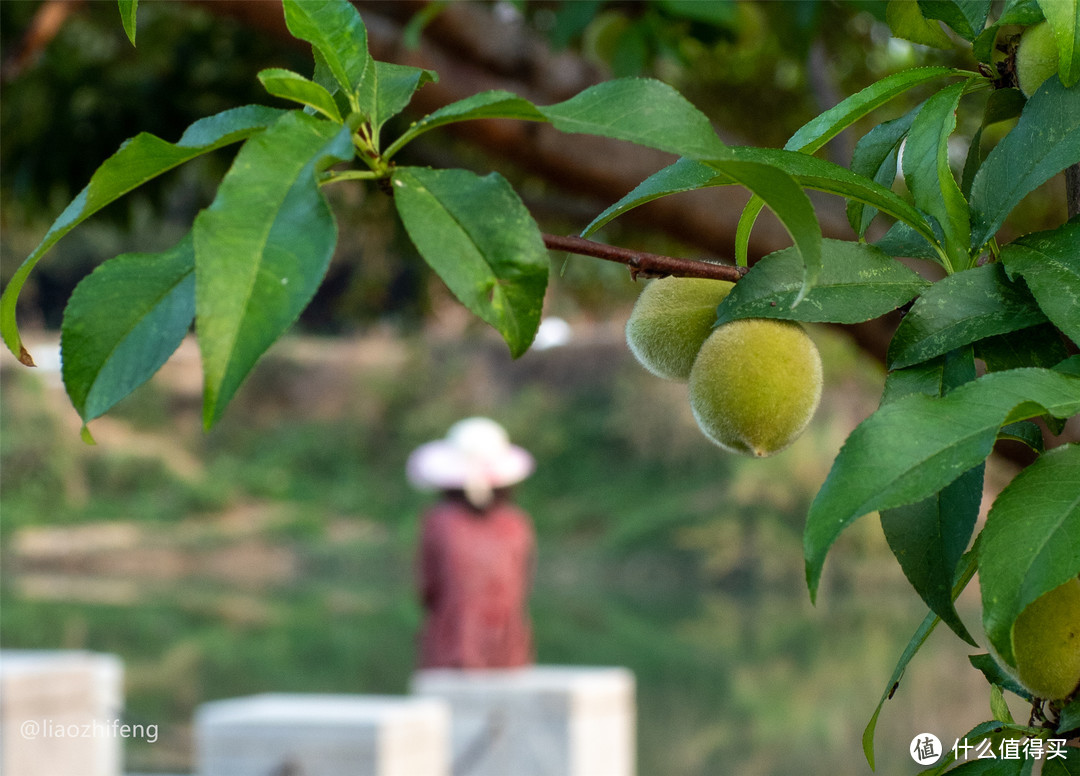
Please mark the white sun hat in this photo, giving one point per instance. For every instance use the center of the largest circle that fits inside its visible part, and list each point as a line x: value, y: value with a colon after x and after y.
x: 475, y: 456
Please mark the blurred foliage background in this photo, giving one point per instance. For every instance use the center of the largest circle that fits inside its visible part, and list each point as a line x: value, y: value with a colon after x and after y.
x: 213, y: 563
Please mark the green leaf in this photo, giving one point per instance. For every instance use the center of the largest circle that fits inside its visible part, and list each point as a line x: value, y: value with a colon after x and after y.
x: 1022, y: 12
x: 1031, y: 542
x: 755, y: 170
x: 128, y: 12
x: 1063, y: 17
x: 966, y: 17
x: 819, y: 130
x: 986, y: 738
x: 999, y: 707
x: 139, y: 160
x: 1034, y: 346
x: 642, y: 111
x: 913, y: 447
x: 875, y: 157
x: 995, y: 675
x: 262, y: 248
x: 789, y: 202
x: 808, y: 171
x: 337, y: 33
x: 922, y: 633
x: 929, y: 176
x: 929, y: 537
x: 1050, y: 264
x: 1070, y: 366
x: 495, y: 104
x: 1003, y: 105
x: 984, y: 766
x: 1044, y: 142
x: 744, y: 228
x: 822, y: 175
x: 293, y: 86
x: 971, y: 163
x: 858, y: 282
x: 396, y: 85
x: 683, y: 175
x: 902, y: 240
x: 1067, y: 766
x: 926, y: 378
x: 906, y: 21
x: 1025, y: 432
x: 823, y: 128
x: 914, y: 644
x: 1069, y: 718
x: 478, y: 236
x: 122, y: 323
x: 960, y: 309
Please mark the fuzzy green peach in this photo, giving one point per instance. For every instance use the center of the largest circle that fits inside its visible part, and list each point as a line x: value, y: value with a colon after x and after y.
x: 1036, y: 57
x: 1046, y: 643
x: 671, y: 320
x: 755, y: 385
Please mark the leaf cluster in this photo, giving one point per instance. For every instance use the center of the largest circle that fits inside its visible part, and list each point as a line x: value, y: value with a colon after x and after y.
x: 979, y: 355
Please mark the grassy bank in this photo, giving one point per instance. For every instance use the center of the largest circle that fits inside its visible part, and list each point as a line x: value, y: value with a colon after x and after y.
x: 275, y: 552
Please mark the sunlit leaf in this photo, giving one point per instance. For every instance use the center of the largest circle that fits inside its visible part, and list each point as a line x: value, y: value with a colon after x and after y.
x: 122, y: 323
x: 911, y: 448
x: 128, y: 12
x: 857, y: 282
x: 966, y: 17
x: 495, y: 104
x: 139, y: 160
x: 337, y: 33
x: 293, y: 86
x: 929, y: 176
x: 481, y: 240
x: 906, y: 20
x: 641, y: 110
x: 262, y: 248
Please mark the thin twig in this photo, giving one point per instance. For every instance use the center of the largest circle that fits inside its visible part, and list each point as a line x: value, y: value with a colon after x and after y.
x: 645, y: 264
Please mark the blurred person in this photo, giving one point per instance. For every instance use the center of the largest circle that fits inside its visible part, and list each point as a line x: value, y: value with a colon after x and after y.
x: 477, y: 549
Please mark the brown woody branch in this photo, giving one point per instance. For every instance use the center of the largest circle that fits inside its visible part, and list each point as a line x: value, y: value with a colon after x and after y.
x: 651, y: 265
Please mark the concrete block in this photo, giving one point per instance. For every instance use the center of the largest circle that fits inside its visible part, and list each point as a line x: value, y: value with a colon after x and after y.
x: 323, y: 735
x: 538, y: 720
x: 60, y: 713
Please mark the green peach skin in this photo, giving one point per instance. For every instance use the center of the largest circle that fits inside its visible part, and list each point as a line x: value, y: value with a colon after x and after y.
x: 1036, y: 57
x: 671, y: 320
x: 1046, y: 643
x: 755, y: 385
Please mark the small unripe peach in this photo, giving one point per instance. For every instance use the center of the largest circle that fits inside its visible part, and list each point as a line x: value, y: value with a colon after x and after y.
x: 755, y: 385
x: 1036, y: 57
x: 1046, y: 643
x: 671, y: 320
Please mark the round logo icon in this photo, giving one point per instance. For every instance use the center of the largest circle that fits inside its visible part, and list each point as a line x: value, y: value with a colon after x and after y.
x: 925, y: 749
